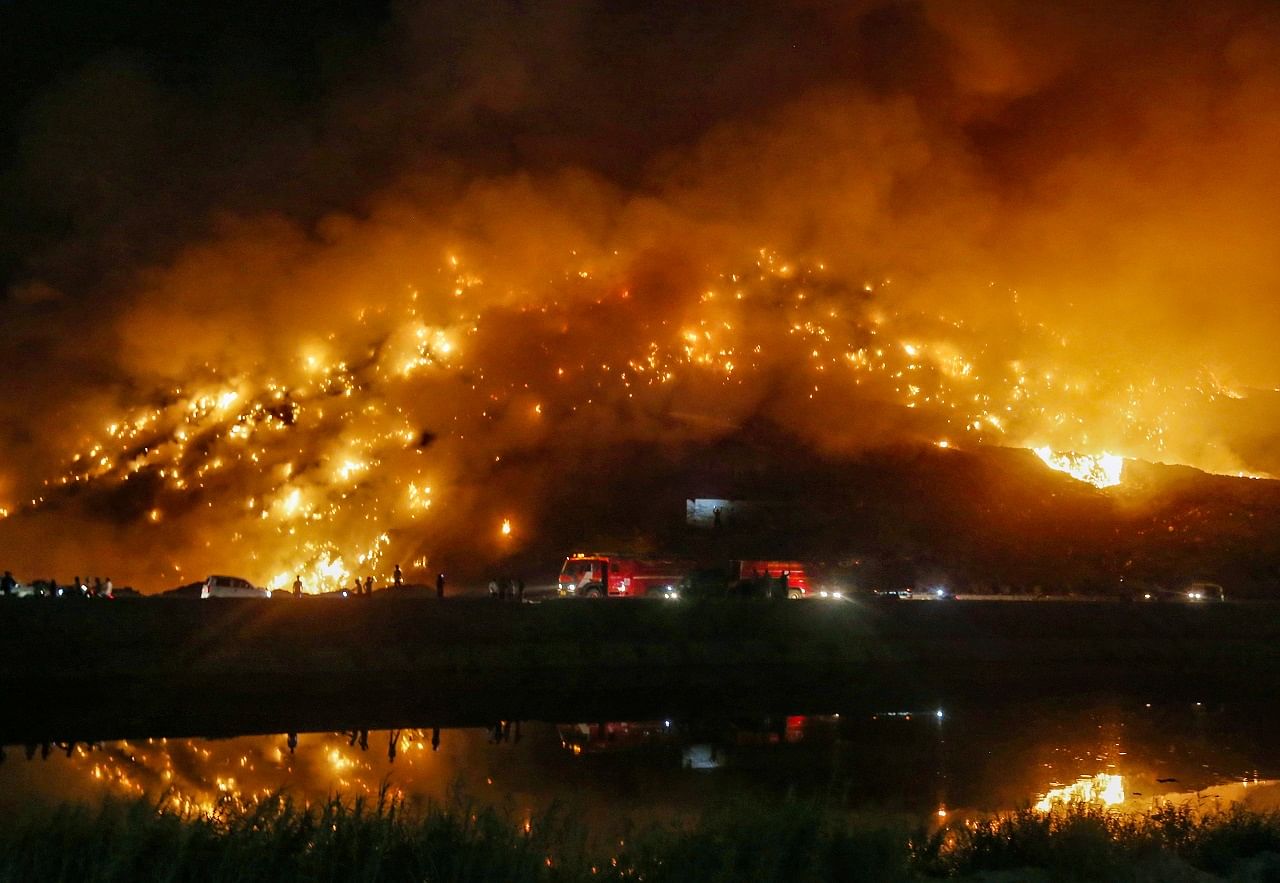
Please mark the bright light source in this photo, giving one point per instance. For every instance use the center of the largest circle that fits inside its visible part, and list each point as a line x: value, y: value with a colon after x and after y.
x: 1106, y: 789
x: 506, y: 527
x: 1099, y: 470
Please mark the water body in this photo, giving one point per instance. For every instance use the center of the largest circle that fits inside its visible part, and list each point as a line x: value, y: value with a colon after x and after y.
x: 922, y: 762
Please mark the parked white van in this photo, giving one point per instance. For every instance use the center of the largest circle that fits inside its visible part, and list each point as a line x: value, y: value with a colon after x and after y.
x: 231, y: 587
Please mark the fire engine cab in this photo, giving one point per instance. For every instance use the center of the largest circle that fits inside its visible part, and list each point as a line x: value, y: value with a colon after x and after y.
x: 601, y: 575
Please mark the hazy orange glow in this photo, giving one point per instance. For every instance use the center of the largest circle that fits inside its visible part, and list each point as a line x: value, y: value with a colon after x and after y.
x: 996, y: 246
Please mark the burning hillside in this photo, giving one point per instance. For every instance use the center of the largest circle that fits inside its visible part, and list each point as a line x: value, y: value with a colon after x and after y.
x: 986, y: 245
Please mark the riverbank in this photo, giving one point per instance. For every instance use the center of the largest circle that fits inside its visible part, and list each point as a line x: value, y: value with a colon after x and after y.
x: 278, y: 840
x: 154, y: 666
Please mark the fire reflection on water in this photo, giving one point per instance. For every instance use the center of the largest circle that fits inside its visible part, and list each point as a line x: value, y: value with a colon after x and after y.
x: 667, y: 762
x: 197, y: 776
x: 1106, y: 789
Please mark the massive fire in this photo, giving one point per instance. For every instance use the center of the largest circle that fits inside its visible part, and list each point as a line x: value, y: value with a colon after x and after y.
x: 328, y: 357
x: 1099, y: 470
x: 308, y: 472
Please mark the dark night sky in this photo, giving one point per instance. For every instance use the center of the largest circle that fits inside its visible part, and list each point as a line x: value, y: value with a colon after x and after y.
x: 125, y: 125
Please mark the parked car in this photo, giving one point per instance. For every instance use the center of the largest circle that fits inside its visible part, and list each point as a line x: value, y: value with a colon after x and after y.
x: 231, y: 587
x: 36, y: 589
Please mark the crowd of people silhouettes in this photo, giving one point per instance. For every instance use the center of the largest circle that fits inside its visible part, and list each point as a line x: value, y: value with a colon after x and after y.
x: 505, y: 588
x: 51, y: 588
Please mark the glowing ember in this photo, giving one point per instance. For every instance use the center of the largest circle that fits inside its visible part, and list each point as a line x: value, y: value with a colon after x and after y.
x: 1099, y: 470
x: 1105, y: 789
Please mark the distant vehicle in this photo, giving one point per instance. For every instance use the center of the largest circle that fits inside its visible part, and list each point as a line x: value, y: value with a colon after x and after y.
x: 231, y: 587
x: 603, y: 575
x: 1194, y: 593
x: 1205, y: 592
x: 904, y: 594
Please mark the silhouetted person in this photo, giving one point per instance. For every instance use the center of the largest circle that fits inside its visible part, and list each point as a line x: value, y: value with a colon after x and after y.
x: 359, y: 589
x: 364, y: 740
x: 97, y: 587
x: 368, y: 585
x: 108, y: 589
x: 355, y: 734
x: 435, y: 738
x: 520, y: 590
x: 503, y: 585
x: 397, y: 578
x: 297, y: 587
x: 292, y: 742
x: 440, y: 584
x: 493, y: 589
x: 77, y: 587
x: 393, y: 742
x: 782, y: 584
x: 7, y: 584
x: 716, y: 518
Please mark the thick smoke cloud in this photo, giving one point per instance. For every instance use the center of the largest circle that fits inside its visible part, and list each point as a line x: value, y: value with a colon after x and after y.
x: 473, y: 246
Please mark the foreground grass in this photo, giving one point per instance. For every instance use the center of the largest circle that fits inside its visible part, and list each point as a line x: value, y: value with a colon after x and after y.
x: 279, y: 840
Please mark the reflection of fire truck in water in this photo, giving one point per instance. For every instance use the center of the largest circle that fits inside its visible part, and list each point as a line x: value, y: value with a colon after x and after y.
x: 614, y: 735
x: 600, y: 575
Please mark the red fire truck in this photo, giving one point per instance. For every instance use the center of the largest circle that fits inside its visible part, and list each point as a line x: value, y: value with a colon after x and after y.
x: 797, y: 579
x: 600, y: 575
